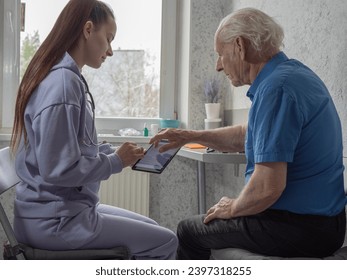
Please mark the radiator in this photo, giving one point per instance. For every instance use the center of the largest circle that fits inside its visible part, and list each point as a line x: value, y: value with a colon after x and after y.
x: 128, y: 189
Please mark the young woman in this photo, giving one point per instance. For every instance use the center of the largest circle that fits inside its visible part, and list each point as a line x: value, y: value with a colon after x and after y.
x: 58, y: 158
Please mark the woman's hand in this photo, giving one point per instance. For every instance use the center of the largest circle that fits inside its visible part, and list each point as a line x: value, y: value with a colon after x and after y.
x: 221, y: 210
x: 129, y: 153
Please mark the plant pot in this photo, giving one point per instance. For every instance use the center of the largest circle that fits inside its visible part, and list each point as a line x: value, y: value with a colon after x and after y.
x: 212, y: 123
x: 212, y: 110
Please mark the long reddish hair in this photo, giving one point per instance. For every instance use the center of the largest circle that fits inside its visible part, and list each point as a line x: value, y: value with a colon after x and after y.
x: 62, y: 38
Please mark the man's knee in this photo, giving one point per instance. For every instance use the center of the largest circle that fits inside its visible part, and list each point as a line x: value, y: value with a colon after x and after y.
x: 190, y: 227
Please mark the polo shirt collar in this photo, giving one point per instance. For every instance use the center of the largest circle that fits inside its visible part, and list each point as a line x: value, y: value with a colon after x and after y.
x: 265, y: 72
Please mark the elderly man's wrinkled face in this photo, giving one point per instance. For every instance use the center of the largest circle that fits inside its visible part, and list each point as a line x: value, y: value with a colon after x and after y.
x: 230, y: 61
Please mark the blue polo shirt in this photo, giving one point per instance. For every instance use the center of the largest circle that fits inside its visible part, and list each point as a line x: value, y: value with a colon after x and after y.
x: 293, y: 119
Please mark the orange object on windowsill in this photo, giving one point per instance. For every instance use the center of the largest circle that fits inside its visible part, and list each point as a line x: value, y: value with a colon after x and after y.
x: 194, y: 146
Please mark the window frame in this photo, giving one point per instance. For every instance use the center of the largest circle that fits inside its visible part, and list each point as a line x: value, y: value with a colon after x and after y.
x: 10, y: 55
x: 9, y: 58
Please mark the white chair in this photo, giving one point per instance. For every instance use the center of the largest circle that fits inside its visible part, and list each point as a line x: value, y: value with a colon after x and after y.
x: 15, y: 250
x: 240, y: 254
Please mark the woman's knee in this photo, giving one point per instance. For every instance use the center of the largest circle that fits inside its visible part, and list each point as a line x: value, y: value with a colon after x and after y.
x: 173, y: 242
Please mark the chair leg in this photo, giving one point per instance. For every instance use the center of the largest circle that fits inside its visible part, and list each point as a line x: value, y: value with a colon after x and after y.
x: 13, y: 253
x: 13, y: 244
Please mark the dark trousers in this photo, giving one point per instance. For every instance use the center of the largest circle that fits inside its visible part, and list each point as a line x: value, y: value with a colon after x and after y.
x: 272, y: 232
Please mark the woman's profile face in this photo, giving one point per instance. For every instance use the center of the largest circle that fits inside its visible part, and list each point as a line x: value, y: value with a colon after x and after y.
x: 98, y: 46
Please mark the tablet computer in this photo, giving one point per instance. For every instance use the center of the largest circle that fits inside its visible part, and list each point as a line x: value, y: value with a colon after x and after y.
x: 154, y: 161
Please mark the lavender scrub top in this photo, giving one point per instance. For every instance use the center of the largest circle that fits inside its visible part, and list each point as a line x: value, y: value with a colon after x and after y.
x: 60, y: 167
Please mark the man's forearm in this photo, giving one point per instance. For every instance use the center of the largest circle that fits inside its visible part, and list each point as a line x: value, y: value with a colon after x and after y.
x: 264, y: 188
x: 226, y: 139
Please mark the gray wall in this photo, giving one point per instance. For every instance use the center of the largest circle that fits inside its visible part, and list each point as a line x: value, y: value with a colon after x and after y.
x: 315, y: 33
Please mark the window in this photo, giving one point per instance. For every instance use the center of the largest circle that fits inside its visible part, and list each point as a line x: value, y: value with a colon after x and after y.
x: 132, y: 74
x: 136, y: 84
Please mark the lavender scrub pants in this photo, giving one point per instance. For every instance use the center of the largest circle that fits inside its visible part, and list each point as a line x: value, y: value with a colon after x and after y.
x: 99, y: 227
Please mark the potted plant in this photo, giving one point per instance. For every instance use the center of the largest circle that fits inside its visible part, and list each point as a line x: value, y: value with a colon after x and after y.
x: 212, y: 105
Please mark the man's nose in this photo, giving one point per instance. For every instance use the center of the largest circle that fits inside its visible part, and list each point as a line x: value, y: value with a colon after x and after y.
x: 110, y: 52
x: 219, y: 66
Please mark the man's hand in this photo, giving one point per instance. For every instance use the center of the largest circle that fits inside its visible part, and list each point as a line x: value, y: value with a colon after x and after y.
x: 221, y: 210
x: 176, y: 137
x: 265, y: 186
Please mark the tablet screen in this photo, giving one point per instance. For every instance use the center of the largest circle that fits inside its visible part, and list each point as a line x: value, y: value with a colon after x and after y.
x: 154, y: 161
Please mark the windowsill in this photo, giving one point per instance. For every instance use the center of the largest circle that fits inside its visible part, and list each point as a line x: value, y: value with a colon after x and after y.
x: 121, y: 139
x: 5, y: 134
x: 101, y: 137
x: 5, y: 137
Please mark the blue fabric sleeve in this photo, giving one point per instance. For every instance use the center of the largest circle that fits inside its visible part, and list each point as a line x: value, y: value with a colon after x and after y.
x: 277, y: 126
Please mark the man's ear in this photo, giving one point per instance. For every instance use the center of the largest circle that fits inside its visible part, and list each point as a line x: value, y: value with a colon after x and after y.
x: 87, y: 29
x: 242, y: 47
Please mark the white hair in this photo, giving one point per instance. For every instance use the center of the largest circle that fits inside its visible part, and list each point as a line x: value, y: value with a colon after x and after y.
x: 261, y: 30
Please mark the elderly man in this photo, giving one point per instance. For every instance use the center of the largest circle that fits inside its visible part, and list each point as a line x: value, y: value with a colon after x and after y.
x: 293, y: 202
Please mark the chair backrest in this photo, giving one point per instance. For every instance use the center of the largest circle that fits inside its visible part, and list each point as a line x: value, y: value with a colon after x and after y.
x: 8, y: 175
x: 8, y: 179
